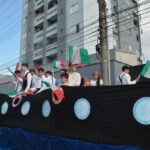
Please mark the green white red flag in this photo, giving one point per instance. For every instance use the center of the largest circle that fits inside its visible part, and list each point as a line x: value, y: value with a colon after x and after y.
x: 146, y: 70
x: 59, y: 64
x: 78, y: 55
x: 18, y: 66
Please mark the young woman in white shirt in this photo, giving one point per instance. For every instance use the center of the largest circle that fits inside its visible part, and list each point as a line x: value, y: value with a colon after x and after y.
x: 96, y: 81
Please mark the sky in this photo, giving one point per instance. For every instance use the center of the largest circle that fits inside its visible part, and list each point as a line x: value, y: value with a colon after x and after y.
x: 10, y: 27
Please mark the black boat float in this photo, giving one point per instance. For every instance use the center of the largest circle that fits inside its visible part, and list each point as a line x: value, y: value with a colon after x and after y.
x: 114, y: 115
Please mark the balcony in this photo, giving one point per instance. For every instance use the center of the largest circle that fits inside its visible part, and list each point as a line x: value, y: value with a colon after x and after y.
x: 51, y: 49
x: 39, y: 19
x: 38, y: 4
x: 52, y: 12
x: 38, y: 36
x: 38, y: 54
x: 51, y: 30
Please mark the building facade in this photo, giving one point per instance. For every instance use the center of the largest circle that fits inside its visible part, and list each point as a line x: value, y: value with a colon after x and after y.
x: 49, y: 26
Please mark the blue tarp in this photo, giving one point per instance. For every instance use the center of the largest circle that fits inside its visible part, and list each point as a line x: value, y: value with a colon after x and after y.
x: 17, y: 139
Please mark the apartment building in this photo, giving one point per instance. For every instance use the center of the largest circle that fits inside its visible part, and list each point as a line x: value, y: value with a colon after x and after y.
x: 49, y: 26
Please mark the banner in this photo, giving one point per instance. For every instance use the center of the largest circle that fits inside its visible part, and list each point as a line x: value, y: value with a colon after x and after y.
x: 112, y: 115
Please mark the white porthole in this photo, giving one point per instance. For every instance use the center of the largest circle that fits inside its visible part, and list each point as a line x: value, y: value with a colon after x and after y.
x: 25, y: 108
x: 46, y: 109
x: 141, y: 111
x: 82, y: 109
x: 4, y: 108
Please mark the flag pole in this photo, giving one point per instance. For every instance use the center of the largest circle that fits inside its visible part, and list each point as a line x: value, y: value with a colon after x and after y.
x: 12, y: 73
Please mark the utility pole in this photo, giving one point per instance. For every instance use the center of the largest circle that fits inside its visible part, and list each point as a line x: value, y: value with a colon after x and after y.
x: 103, y: 41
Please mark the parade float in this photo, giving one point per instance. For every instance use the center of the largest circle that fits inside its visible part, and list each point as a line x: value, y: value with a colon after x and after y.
x: 97, y: 118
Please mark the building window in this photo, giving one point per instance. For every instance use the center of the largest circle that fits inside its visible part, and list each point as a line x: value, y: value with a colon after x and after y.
x: 52, y: 4
x: 50, y: 59
x: 38, y: 45
x: 38, y: 62
x: 51, y: 40
x: 74, y: 8
x: 52, y: 21
x: 75, y: 29
x: 39, y: 12
x: 39, y: 28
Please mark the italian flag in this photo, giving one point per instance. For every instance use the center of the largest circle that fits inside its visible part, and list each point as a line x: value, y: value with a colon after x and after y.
x: 18, y: 66
x: 59, y: 64
x: 146, y: 70
x: 78, y: 55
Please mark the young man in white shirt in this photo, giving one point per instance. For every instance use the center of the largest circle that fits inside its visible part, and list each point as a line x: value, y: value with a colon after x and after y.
x: 50, y: 77
x: 64, y: 79
x: 27, y: 82
x: 39, y: 84
x: 34, y: 77
x: 74, y: 77
x: 124, y: 78
x: 18, y: 82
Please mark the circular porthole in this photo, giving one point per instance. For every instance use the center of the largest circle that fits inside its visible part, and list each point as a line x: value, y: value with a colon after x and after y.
x: 141, y: 111
x: 82, y: 109
x: 46, y: 109
x: 25, y: 108
x: 4, y: 108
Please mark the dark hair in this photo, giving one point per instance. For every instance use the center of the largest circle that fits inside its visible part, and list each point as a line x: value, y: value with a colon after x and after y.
x: 65, y: 75
x: 98, y: 81
x: 124, y: 68
x: 25, y: 65
x: 41, y: 69
x: 64, y: 70
x: 17, y: 71
x: 32, y: 70
x: 49, y: 72
x: 82, y: 82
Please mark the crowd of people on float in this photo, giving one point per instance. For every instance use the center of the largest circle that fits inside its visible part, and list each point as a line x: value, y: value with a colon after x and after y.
x: 36, y: 82
x: 33, y: 81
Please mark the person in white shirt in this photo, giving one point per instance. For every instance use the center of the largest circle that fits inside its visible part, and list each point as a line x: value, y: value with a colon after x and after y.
x: 64, y: 79
x: 18, y: 82
x: 34, y: 77
x: 50, y: 77
x: 74, y: 77
x: 39, y: 84
x: 96, y: 81
x: 27, y: 82
x: 124, y: 78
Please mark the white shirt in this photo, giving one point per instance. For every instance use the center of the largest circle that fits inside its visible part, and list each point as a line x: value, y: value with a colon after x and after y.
x: 74, y: 79
x: 34, y: 80
x: 94, y: 82
x: 29, y: 81
x: 51, y: 79
x: 38, y: 84
x: 44, y: 87
x: 18, y: 84
x: 125, y: 79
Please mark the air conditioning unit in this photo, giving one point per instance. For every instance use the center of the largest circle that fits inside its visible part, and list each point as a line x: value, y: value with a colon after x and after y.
x: 140, y: 58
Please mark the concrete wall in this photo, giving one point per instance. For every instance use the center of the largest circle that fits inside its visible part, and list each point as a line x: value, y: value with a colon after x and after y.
x: 5, y: 84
